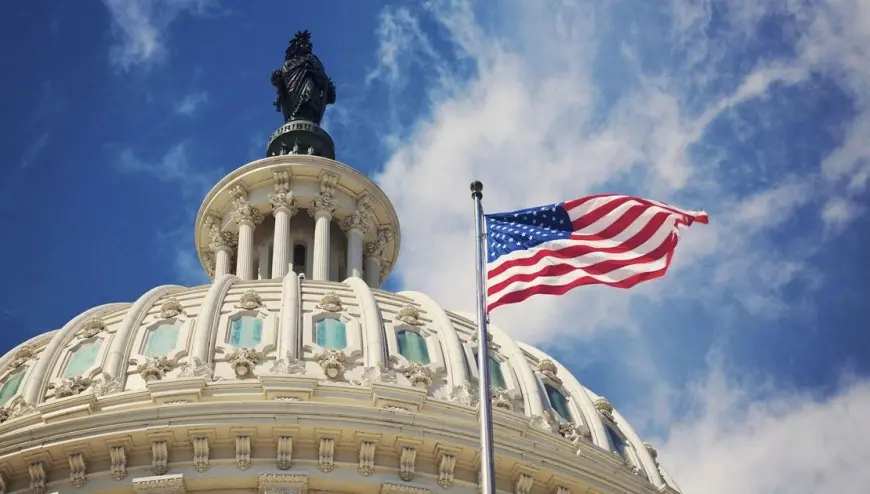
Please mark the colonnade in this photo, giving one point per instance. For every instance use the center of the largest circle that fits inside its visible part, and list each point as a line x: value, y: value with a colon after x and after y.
x: 363, y: 259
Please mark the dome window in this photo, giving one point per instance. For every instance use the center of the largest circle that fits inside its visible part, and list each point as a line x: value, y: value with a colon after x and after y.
x: 246, y: 332
x: 82, y: 359
x: 617, y: 441
x: 330, y: 334
x: 412, y: 346
x: 161, y: 340
x: 10, y: 387
x: 496, y: 376
x: 558, y: 402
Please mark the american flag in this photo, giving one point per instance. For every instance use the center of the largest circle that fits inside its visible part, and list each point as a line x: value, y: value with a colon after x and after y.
x: 608, y: 239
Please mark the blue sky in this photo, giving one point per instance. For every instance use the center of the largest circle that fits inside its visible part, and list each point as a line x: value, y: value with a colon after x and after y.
x: 748, y: 359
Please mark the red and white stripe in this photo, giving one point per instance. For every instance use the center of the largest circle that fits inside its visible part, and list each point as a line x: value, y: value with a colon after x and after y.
x: 617, y: 240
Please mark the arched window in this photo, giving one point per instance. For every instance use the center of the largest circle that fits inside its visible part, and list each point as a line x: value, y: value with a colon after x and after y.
x: 299, y: 257
x: 160, y: 341
x: 331, y: 334
x: 558, y: 402
x: 496, y: 376
x: 82, y: 358
x: 246, y: 332
x: 10, y: 386
x: 412, y: 346
x: 617, y: 441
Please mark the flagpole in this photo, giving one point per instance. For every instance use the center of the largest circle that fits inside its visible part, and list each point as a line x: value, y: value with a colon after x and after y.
x: 487, y: 465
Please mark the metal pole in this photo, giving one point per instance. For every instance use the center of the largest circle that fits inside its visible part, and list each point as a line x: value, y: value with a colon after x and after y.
x: 487, y: 465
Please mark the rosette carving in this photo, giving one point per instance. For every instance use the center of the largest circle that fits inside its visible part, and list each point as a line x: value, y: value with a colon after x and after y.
x: 330, y: 302
x: 92, y: 327
x: 332, y: 362
x: 250, y: 300
x: 155, y: 368
x: 409, y: 314
x: 171, y: 308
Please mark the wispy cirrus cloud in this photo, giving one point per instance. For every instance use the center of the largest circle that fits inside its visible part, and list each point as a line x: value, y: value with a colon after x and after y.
x: 191, y: 103
x: 140, y: 28
x: 565, y: 99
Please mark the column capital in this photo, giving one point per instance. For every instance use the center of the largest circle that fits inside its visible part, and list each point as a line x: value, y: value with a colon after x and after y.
x: 324, y: 201
x: 208, y: 259
x: 282, y: 198
x: 357, y: 220
x: 245, y: 212
x: 376, y: 248
x: 218, y: 239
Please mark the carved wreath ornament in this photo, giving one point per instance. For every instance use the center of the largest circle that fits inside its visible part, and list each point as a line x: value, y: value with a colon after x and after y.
x: 250, y: 300
x: 330, y: 302
x: 244, y: 360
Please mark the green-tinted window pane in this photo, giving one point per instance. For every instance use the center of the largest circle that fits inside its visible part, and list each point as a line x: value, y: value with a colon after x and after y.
x: 83, y: 358
x: 331, y: 334
x: 246, y: 331
x: 161, y: 340
x: 496, y: 377
x: 412, y: 346
x: 10, y: 387
x: 558, y: 402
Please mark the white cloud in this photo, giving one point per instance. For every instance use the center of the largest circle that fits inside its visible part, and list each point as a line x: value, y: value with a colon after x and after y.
x: 757, y: 439
x: 191, y: 103
x: 173, y: 167
x: 530, y: 123
x: 140, y: 27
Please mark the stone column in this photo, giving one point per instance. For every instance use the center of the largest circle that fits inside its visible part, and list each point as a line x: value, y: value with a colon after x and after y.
x: 355, y: 225
x: 247, y: 217
x: 283, y: 207
x: 322, y: 209
x: 221, y: 245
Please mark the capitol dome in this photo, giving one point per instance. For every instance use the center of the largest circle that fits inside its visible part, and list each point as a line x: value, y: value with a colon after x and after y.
x: 293, y: 371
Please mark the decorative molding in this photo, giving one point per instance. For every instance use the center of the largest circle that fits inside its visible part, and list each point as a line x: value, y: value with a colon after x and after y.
x: 285, y: 453
x: 4, y: 414
x: 283, y: 198
x: 245, y: 212
x: 330, y: 302
x: 171, y: 308
x: 159, y: 457
x: 324, y: 201
x: 219, y: 239
x: 332, y: 362
x: 402, y: 489
x: 282, y: 483
x: 357, y: 220
x: 501, y: 398
x: 523, y: 483
x: 200, y: 453
x: 463, y: 394
x: 154, y: 369
x: 326, y: 454
x: 78, y: 470
x: 118, y: 463
x: 652, y: 452
x: 367, y: 451
x: 604, y: 408
x: 70, y: 387
x: 250, y: 300
x: 561, y: 490
x: 548, y: 368
x: 22, y: 356
x: 419, y: 375
x: 92, y: 327
x: 376, y: 249
x: 163, y: 484
x: 407, y: 463
x: 409, y: 314
x: 446, y: 467
x: 376, y: 374
x: 288, y: 365
x: 195, y: 368
x: 571, y: 432
x: 243, y: 452
x: 244, y: 360
x: 208, y: 260
x: 36, y: 470
x: 104, y: 384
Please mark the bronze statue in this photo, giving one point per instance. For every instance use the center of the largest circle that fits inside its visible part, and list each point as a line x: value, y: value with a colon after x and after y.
x: 303, y: 87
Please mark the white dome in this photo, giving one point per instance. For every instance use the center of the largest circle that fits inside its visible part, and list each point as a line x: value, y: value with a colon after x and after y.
x: 326, y: 386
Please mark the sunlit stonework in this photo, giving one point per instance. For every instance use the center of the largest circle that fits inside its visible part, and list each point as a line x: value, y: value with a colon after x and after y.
x: 293, y: 370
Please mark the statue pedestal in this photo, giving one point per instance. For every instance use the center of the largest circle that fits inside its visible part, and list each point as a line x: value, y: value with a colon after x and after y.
x: 301, y: 137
